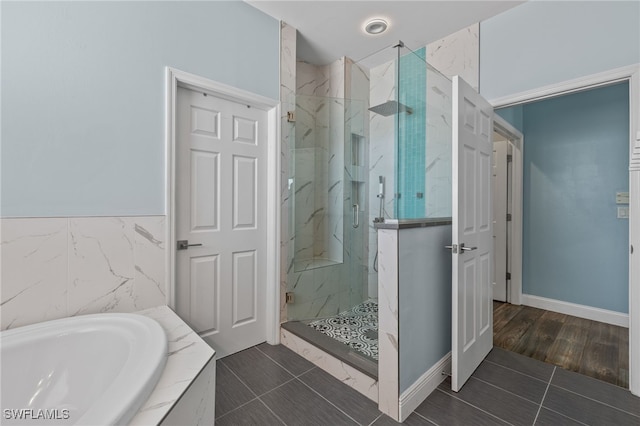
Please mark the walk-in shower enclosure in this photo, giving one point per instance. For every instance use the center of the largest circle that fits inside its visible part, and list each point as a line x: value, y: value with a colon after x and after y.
x: 367, y: 144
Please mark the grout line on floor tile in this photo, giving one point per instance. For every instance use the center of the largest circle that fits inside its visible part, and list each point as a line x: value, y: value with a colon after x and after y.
x: 272, y: 412
x: 545, y: 395
x: 517, y: 371
x: 504, y: 390
x: 420, y: 415
x: 277, y: 387
x: 565, y: 416
x: 237, y: 408
x: 596, y: 400
x: 474, y: 406
x: 241, y: 381
x: 376, y: 419
x: 320, y: 395
x: 282, y: 366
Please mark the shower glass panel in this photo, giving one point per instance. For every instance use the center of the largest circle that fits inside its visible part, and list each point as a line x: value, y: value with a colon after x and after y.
x: 328, y: 188
x: 411, y: 107
x: 423, y: 166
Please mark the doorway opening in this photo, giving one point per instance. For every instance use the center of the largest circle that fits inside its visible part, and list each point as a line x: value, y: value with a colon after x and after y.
x: 206, y: 119
x: 551, y: 202
x: 507, y: 211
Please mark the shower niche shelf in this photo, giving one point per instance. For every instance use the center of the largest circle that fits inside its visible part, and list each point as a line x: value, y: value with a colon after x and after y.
x: 314, y: 263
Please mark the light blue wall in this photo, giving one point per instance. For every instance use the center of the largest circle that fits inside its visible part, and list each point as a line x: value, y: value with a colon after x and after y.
x: 576, y: 157
x: 424, y: 294
x: 545, y: 42
x: 83, y: 90
x: 513, y: 115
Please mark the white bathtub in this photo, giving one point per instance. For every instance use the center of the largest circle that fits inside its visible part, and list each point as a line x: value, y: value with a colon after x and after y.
x: 85, y: 370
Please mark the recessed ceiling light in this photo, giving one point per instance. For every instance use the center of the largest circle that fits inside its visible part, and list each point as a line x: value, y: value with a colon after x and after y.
x: 376, y: 26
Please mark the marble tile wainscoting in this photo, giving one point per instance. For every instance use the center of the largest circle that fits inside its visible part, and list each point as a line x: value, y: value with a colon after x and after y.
x: 60, y: 267
x: 185, y: 392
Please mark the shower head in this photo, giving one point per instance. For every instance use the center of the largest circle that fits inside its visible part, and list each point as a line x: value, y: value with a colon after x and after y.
x: 390, y: 107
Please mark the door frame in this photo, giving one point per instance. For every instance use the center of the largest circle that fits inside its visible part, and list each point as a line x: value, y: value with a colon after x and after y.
x: 174, y: 79
x: 515, y: 137
x: 630, y: 74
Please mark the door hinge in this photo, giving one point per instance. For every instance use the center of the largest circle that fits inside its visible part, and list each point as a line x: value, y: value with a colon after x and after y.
x: 291, y: 116
x: 289, y: 297
x: 509, y: 158
x: 508, y: 275
x: 508, y: 217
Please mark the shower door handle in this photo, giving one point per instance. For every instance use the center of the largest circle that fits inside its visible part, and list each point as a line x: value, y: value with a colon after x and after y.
x: 356, y: 215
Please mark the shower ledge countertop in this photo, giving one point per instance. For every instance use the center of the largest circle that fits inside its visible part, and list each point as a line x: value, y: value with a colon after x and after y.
x: 413, y: 223
x: 187, y: 356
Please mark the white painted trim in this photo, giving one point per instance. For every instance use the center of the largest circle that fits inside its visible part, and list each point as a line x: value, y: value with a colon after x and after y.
x: 581, y: 311
x: 566, y: 87
x: 501, y: 126
x: 422, y: 388
x: 273, y: 227
x: 634, y: 238
x: 175, y: 78
x: 634, y: 288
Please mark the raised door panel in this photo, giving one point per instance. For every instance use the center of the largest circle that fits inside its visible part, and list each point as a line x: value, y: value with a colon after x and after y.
x: 470, y: 302
x: 245, y: 130
x: 205, y: 191
x: 245, y: 286
x: 205, y: 122
x: 484, y: 181
x: 204, y: 294
x: 245, y: 193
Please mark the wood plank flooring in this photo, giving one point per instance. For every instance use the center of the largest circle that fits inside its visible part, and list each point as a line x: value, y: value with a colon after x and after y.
x: 587, y: 347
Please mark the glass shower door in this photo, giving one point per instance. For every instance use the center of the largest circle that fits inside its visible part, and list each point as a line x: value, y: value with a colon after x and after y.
x: 327, y: 264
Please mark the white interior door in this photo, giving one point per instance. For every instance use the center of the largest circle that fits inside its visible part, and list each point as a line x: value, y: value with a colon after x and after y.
x: 499, y: 186
x: 220, y: 213
x: 472, y: 314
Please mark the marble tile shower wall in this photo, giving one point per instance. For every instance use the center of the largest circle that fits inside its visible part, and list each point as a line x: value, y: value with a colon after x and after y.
x: 438, y: 150
x: 318, y: 165
x: 320, y: 197
x: 381, y: 158
x: 325, y: 190
x: 458, y: 54
x: 59, y: 267
x: 357, y: 91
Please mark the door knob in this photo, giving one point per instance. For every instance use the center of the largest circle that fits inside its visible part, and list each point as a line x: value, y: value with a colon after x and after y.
x: 184, y: 244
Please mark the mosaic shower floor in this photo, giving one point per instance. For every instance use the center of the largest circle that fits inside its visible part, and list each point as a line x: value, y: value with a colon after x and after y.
x: 357, y: 327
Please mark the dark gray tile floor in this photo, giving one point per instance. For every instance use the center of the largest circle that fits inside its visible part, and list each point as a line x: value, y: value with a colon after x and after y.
x: 270, y: 385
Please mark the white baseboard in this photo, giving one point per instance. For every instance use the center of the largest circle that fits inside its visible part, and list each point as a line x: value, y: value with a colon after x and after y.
x: 422, y: 388
x: 582, y: 311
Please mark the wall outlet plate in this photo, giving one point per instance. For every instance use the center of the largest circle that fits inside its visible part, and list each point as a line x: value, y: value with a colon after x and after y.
x: 623, y: 212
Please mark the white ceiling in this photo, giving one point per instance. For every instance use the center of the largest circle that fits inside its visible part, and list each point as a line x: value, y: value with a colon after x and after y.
x: 330, y: 29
